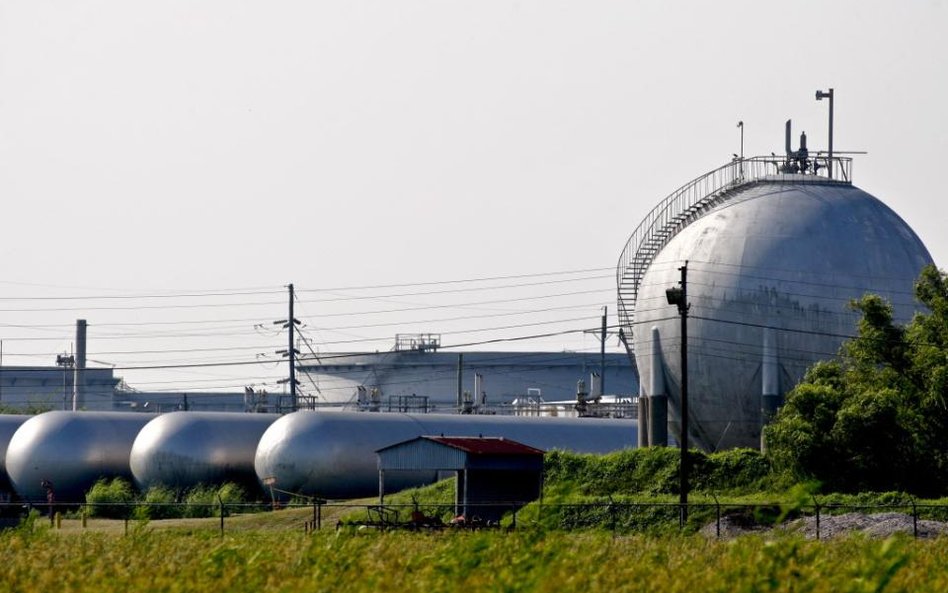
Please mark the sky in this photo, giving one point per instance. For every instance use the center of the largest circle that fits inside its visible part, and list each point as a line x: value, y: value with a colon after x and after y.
x: 465, y: 168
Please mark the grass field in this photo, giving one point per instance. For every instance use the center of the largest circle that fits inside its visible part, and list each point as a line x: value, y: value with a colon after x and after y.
x: 270, y: 552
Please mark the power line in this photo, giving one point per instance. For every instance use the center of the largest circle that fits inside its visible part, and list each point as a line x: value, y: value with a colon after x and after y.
x: 348, y: 298
x: 139, y: 296
x: 466, y: 280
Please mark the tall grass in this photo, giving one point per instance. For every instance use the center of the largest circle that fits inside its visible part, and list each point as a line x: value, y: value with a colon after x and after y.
x: 590, y: 562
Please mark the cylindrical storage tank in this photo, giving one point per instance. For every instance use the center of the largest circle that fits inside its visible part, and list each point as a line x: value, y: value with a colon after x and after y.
x: 72, y: 450
x: 183, y: 449
x: 333, y: 454
x: 9, y: 423
x: 771, y: 273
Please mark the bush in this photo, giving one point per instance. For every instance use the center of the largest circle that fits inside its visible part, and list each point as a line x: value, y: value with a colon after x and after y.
x: 653, y: 471
x: 737, y: 470
x: 205, y: 501
x: 163, y: 500
x: 111, y: 498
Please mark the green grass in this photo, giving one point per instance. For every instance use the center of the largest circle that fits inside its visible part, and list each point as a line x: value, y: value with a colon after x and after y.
x: 530, y: 560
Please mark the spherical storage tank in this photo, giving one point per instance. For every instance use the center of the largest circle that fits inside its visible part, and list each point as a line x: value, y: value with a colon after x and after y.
x: 72, y: 450
x: 772, y: 264
x: 333, y: 454
x: 183, y: 449
x: 9, y: 423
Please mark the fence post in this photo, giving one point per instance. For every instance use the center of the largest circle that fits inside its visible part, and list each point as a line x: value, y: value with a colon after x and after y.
x: 914, y: 519
x: 717, y: 507
x: 817, y: 521
x: 221, y: 501
x: 717, y: 512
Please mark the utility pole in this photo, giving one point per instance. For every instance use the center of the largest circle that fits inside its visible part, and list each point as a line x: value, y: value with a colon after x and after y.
x: 602, y: 352
x: 679, y: 296
x: 460, y: 402
x: 291, y: 352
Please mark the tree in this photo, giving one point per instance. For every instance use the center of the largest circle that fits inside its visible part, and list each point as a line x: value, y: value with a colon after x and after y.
x: 875, y: 418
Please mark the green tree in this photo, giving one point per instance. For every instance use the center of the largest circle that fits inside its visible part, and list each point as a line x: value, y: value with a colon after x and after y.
x: 875, y: 417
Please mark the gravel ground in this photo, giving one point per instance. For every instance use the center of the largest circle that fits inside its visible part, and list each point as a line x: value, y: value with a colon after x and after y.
x: 875, y: 525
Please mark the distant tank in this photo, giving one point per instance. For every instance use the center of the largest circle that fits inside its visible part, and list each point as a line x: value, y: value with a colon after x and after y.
x: 333, y: 454
x: 9, y: 423
x: 183, y: 449
x: 774, y: 256
x: 72, y: 450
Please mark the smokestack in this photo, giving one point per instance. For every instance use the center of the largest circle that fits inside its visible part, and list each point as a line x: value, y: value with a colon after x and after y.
x: 787, y: 139
x: 79, y: 383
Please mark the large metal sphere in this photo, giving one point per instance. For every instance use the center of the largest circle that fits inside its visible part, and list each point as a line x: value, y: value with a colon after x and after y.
x: 183, y: 449
x: 781, y: 254
x: 333, y: 454
x: 72, y: 450
x: 9, y: 423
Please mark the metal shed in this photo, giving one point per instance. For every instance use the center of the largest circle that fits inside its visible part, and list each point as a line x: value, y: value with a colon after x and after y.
x: 494, y: 474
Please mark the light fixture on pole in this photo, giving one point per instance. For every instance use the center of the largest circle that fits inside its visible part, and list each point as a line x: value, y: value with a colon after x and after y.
x: 67, y: 363
x: 740, y: 124
x: 820, y: 95
x: 678, y: 296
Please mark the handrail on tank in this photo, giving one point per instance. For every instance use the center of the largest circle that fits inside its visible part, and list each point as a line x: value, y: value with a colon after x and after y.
x: 691, y: 200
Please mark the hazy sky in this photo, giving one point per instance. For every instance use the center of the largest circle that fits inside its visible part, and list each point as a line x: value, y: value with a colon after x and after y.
x: 173, y: 147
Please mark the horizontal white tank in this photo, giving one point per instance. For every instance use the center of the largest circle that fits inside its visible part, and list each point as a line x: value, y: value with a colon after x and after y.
x: 183, y: 449
x: 9, y: 423
x: 72, y: 450
x: 333, y: 454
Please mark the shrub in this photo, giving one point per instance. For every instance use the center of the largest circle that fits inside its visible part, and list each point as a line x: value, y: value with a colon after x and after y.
x: 205, y: 501
x: 111, y: 498
x: 163, y: 500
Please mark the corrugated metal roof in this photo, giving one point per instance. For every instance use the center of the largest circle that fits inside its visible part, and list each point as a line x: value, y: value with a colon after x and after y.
x: 430, y: 453
x: 486, y: 445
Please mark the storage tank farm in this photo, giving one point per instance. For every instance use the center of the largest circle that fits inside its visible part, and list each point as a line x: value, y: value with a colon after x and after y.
x: 774, y: 249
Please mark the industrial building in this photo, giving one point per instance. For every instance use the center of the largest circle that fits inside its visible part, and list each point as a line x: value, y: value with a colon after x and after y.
x: 762, y: 257
x: 415, y: 377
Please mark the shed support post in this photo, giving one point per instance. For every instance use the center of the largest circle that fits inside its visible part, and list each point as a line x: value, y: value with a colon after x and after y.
x: 381, y: 487
x: 465, y: 496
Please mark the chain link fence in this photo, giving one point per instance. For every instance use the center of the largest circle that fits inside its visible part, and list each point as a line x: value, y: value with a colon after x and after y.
x: 715, y: 519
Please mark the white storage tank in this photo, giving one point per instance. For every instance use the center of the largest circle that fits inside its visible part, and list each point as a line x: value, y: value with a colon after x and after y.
x: 9, y: 423
x: 72, y: 450
x: 183, y: 449
x: 773, y: 261
x: 333, y: 454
